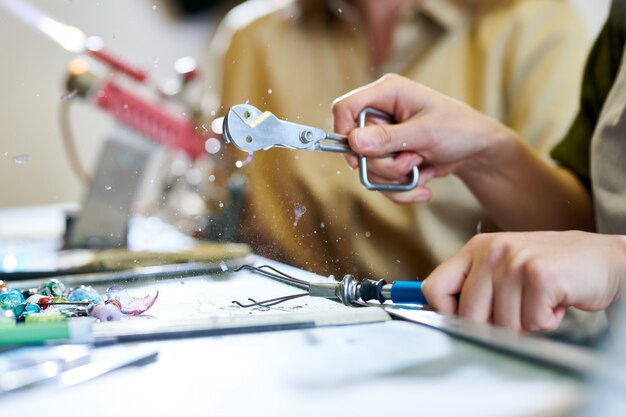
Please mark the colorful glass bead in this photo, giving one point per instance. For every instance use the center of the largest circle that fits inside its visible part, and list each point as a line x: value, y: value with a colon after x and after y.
x: 130, y: 305
x: 84, y: 293
x: 22, y: 310
x: 45, y: 301
x: 34, y: 299
x: 4, y: 287
x: 106, y: 312
x: 53, y: 287
x: 11, y: 299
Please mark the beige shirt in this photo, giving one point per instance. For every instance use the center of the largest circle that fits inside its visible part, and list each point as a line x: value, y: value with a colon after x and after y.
x: 520, y: 63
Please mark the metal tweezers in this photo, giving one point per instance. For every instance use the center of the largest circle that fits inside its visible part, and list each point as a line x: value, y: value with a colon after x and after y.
x: 252, y: 130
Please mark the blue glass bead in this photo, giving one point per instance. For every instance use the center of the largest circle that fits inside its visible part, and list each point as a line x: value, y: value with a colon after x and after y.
x: 11, y: 299
x: 84, y: 293
x: 53, y: 288
x: 25, y: 309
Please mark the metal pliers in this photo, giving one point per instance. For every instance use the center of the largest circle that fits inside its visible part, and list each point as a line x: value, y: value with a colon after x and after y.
x: 252, y: 130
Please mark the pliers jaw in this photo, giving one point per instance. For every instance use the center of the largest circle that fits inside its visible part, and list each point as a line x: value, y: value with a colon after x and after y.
x: 252, y: 130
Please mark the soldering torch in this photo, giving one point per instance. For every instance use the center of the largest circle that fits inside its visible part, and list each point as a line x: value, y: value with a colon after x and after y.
x: 350, y: 290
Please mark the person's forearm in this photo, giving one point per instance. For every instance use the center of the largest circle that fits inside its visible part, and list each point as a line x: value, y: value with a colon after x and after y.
x: 522, y: 192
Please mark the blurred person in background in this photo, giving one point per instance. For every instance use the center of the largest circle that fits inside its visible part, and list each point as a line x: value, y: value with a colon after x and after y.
x: 519, y: 62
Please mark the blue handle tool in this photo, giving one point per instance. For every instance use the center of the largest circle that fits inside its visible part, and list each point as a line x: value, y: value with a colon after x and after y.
x: 350, y: 290
x: 407, y: 292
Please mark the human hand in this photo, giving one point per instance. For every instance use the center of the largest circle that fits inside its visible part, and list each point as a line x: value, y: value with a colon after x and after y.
x: 526, y: 281
x: 440, y: 134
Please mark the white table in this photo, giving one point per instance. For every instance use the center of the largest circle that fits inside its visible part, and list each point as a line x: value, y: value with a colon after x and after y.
x: 377, y: 367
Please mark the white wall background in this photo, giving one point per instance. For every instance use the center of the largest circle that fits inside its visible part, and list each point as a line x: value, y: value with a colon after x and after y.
x: 32, y: 71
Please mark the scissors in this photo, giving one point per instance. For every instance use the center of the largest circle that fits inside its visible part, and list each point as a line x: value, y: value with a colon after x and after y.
x: 252, y: 130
